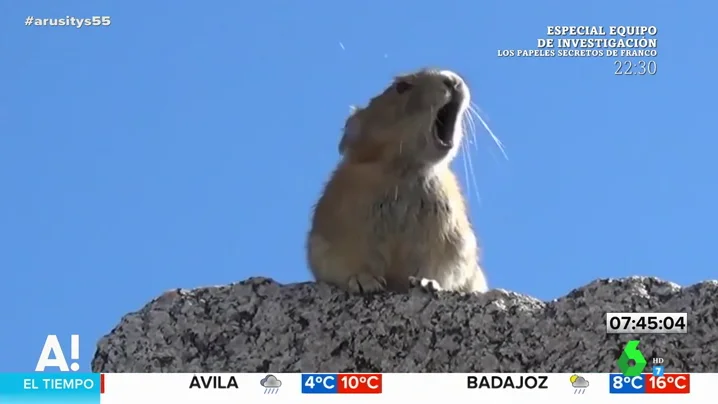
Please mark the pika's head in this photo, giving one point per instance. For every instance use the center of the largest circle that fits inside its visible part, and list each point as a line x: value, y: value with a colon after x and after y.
x: 416, y: 122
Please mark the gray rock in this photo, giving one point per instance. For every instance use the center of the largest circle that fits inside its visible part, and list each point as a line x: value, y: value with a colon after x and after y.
x: 261, y: 326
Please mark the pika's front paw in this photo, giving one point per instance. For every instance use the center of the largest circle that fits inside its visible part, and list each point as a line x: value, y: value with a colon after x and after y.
x: 366, y: 283
x: 425, y: 285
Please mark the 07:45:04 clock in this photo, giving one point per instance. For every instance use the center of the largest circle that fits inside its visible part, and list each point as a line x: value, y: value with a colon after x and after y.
x: 635, y: 67
x: 646, y: 323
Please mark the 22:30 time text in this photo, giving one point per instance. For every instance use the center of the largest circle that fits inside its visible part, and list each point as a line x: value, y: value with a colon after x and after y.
x: 635, y: 68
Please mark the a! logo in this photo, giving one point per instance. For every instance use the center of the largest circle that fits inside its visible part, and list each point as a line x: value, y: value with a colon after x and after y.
x: 52, y: 347
x: 631, y: 353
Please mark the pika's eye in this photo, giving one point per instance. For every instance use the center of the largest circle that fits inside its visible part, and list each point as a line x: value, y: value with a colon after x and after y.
x: 402, y: 86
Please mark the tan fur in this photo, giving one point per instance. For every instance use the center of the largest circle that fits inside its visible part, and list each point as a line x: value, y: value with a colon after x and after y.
x: 393, y: 209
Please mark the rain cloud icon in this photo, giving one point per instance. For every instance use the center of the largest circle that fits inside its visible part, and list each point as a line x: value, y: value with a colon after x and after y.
x: 579, y: 383
x: 271, y: 384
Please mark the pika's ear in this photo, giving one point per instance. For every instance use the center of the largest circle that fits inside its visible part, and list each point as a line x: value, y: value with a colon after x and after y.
x: 352, y: 128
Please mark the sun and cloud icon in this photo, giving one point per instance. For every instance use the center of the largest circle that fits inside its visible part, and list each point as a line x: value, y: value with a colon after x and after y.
x: 579, y: 383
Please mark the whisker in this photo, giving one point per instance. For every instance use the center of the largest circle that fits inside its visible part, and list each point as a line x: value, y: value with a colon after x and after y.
x: 472, y: 125
x: 468, y: 162
x: 495, y: 138
x: 473, y: 111
x: 477, y: 109
x: 465, y: 156
x: 473, y: 178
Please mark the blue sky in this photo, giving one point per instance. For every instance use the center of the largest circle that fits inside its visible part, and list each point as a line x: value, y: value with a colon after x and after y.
x: 184, y: 146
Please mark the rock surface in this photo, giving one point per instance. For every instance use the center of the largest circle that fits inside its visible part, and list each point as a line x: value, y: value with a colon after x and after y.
x: 261, y: 326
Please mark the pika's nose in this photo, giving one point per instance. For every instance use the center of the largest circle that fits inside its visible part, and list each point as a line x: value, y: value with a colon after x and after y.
x: 451, y: 80
x: 450, y: 83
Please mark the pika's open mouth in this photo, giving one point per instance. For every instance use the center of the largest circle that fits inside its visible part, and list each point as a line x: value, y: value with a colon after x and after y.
x: 445, y: 123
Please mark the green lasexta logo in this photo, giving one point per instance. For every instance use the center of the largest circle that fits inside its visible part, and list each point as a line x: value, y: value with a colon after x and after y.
x: 631, y: 352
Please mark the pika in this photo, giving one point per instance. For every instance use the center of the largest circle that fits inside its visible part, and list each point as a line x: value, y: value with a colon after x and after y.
x: 393, y: 214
